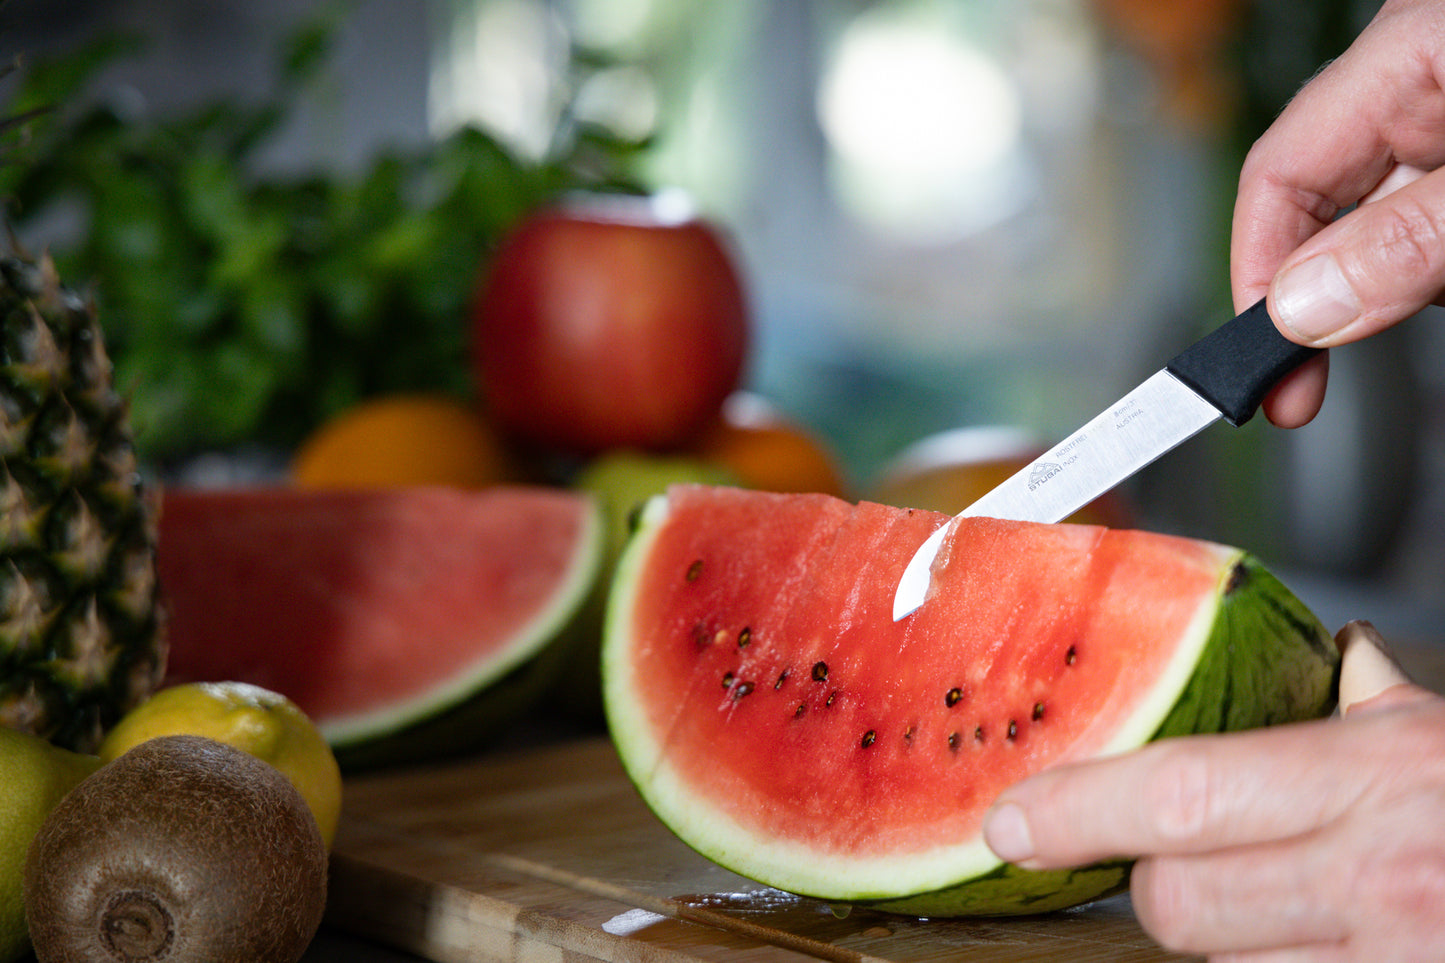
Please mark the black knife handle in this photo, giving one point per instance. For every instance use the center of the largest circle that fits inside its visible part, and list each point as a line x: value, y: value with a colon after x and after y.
x: 1234, y: 366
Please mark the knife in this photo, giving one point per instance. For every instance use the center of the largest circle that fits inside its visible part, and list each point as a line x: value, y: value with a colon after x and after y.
x: 1225, y: 374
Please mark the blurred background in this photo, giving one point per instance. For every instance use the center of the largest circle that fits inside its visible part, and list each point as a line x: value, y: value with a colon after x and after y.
x: 949, y: 213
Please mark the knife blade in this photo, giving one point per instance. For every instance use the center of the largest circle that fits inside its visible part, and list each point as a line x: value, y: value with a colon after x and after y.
x: 1224, y: 375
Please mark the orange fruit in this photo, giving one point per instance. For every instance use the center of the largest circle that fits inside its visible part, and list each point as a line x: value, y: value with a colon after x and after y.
x: 399, y: 440
x: 767, y: 450
x: 949, y: 471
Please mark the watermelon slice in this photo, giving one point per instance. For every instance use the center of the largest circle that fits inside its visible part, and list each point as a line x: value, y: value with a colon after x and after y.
x: 772, y: 713
x: 406, y: 623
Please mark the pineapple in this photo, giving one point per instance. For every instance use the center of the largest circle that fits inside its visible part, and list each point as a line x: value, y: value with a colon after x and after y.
x: 81, y: 629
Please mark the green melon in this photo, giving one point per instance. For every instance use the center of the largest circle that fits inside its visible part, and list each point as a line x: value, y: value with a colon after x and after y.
x: 778, y: 720
x: 406, y: 623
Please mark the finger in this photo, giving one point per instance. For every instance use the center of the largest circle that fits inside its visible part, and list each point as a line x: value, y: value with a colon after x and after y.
x: 1298, y: 397
x: 1369, y: 270
x: 1369, y: 880
x: 1294, y: 183
x: 1376, y: 106
x: 1296, y: 400
x: 1399, y: 176
x: 1187, y: 795
x: 1367, y: 669
x: 1264, y: 897
x: 1272, y: 217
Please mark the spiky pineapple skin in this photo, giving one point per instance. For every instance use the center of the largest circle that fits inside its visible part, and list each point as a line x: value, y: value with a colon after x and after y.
x: 81, y: 629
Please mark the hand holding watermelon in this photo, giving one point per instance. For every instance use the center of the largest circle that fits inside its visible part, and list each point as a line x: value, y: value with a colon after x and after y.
x: 1324, y: 837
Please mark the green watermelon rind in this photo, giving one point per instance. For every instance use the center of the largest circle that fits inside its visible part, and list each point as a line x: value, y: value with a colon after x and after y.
x: 1254, y: 641
x: 1289, y: 672
x: 495, y: 688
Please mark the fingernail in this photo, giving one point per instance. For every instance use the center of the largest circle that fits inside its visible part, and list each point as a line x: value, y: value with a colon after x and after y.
x: 1313, y: 299
x: 1006, y: 830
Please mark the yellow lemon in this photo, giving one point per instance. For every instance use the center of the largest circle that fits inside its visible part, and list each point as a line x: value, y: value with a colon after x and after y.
x: 34, y: 776
x: 263, y: 723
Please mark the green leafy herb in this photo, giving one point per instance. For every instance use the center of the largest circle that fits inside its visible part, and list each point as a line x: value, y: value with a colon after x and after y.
x: 242, y: 307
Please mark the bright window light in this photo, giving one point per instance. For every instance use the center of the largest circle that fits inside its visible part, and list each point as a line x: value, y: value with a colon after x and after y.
x: 501, y: 73
x: 923, y: 126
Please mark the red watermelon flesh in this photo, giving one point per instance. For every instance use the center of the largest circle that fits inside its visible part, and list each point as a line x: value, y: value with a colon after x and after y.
x: 773, y: 713
x: 371, y: 609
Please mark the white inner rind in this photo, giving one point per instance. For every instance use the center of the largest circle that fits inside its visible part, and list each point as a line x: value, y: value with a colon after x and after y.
x: 801, y: 868
x: 1154, y: 707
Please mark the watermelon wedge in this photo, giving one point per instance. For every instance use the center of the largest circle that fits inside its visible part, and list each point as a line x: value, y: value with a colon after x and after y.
x: 778, y: 720
x: 407, y: 623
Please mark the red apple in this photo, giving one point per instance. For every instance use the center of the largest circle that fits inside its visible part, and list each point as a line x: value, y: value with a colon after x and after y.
x: 607, y: 323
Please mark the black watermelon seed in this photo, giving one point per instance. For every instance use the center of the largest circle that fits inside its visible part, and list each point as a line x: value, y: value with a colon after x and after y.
x: 978, y: 733
x: 742, y: 689
x: 831, y: 696
x: 727, y: 680
x: 744, y: 637
x: 1038, y: 711
x: 908, y: 734
x: 868, y: 738
x: 1013, y: 728
x: 694, y: 570
x: 1071, y: 656
x: 953, y: 741
x: 798, y: 712
x: 782, y: 677
x: 952, y: 697
x: 820, y: 671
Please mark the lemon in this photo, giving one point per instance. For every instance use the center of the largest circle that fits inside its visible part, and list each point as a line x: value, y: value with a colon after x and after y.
x: 263, y: 723
x: 34, y: 776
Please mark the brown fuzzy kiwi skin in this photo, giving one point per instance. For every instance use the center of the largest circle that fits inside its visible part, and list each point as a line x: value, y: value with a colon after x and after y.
x: 183, y: 849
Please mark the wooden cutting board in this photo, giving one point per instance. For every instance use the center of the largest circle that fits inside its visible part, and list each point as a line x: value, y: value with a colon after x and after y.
x: 548, y: 854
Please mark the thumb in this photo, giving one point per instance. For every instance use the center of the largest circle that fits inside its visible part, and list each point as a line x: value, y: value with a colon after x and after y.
x: 1370, y: 269
x: 1370, y: 678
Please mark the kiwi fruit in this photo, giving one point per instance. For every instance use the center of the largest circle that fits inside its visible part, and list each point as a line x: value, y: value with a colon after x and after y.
x: 182, y: 849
